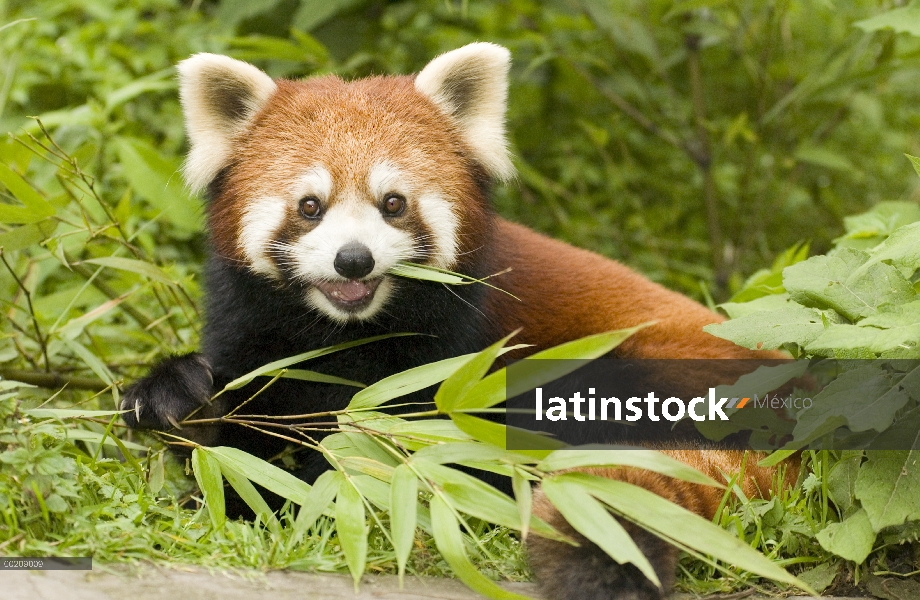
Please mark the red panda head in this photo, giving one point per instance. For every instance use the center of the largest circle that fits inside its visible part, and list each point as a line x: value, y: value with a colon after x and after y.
x: 328, y: 184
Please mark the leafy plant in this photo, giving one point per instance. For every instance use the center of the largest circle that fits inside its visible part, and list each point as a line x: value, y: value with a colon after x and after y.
x: 858, y: 301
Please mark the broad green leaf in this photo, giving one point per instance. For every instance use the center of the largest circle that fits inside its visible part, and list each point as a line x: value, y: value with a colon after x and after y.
x: 413, y: 380
x: 852, y: 337
x: 156, y: 477
x: 592, y: 520
x: 267, y: 475
x: 403, y: 515
x: 769, y: 330
x: 682, y: 527
x: 460, y: 452
x: 351, y: 528
x: 888, y: 486
x: 305, y: 356
x: 867, y: 230
x: 905, y: 19
x: 541, y: 368
x: 523, y: 495
x: 449, y: 541
x: 207, y: 473
x: 865, y: 397
x: 27, y: 235
x: 764, y: 303
x: 649, y: 460
x: 526, y: 442
x: 901, y: 249
x: 407, y: 382
x: 848, y: 283
x: 36, y: 207
x: 457, y: 386
x: 841, y: 480
x: 145, y: 269
x: 474, y: 497
x: 851, y: 539
x: 251, y: 496
x: 321, y: 495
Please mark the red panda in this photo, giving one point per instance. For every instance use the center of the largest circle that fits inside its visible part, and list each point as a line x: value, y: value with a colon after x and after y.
x: 315, y: 189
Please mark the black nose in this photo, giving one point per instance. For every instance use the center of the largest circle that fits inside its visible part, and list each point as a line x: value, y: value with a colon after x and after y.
x: 354, y: 261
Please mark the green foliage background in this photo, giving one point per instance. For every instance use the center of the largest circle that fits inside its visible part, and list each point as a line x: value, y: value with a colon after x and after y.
x: 695, y: 140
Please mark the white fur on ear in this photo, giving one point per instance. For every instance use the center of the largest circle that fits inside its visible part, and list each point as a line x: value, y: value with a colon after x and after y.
x: 219, y: 96
x: 471, y: 85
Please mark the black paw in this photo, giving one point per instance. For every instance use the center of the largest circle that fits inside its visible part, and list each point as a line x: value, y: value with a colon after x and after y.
x: 169, y: 393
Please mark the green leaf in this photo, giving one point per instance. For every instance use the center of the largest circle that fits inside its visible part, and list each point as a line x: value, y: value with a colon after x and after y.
x: 862, y: 398
x: 207, y: 473
x: 318, y: 500
x: 36, y: 207
x: 96, y: 437
x: 145, y: 269
x: 464, y: 379
x: 902, y: 20
x: 526, y: 442
x: 649, y: 460
x: 851, y: 539
x: 69, y: 413
x: 888, y: 486
x: 848, y: 283
x: 901, y: 249
x: 768, y: 330
x: 304, y: 375
x: 251, y: 496
x: 523, y: 495
x: 403, y: 514
x: 680, y: 526
x: 449, y: 541
x: 474, y: 497
x: 841, y: 480
x: 407, y: 382
x: 460, y: 452
x: 592, y: 520
x: 351, y: 528
x: 541, y: 368
x: 305, y: 356
x: 158, y: 180
x: 267, y: 475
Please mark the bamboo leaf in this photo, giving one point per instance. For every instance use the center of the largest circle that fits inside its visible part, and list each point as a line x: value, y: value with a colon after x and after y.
x: 403, y: 515
x: 207, y: 474
x: 449, y: 541
x: 351, y: 528
x: 267, y: 475
x: 592, y: 520
x: 305, y: 356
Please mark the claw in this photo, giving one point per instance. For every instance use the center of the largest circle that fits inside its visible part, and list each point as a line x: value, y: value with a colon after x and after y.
x: 137, y: 410
x: 172, y: 420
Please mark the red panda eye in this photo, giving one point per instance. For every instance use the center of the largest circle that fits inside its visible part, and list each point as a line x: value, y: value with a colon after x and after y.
x: 394, y: 205
x: 310, y: 207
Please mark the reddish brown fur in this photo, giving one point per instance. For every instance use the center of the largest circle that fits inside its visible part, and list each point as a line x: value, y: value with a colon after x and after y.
x: 347, y: 127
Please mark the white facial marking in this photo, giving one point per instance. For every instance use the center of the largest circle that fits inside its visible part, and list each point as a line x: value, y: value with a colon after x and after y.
x: 438, y: 214
x: 385, y: 178
x: 259, y: 225
x: 264, y: 216
x: 313, y: 255
x: 317, y: 181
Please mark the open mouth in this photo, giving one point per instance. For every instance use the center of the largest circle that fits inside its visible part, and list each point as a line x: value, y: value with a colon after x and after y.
x: 351, y: 294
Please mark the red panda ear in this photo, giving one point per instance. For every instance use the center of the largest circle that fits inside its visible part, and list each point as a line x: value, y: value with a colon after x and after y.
x: 471, y: 85
x: 219, y: 97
